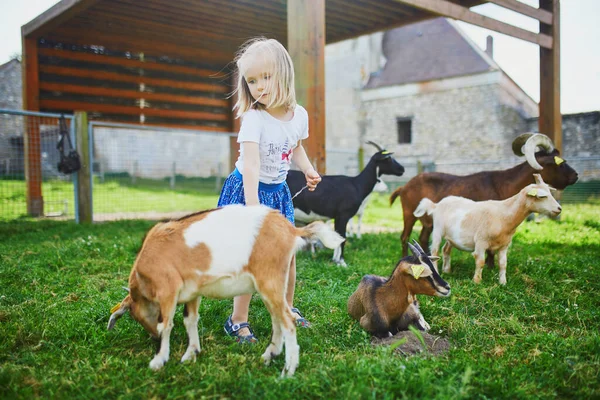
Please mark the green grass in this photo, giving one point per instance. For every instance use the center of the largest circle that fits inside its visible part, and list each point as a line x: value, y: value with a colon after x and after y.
x: 117, y: 194
x: 537, y: 337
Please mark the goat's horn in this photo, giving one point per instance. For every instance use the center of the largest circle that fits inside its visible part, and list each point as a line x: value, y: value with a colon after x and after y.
x: 418, y: 246
x: 379, y: 148
x: 126, y: 289
x: 414, y: 250
x: 538, y: 179
x: 518, y: 143
x: 530, y: 146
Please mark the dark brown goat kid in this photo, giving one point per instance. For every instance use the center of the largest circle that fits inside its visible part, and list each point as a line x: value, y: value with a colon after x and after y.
x: 385, y: 306
x: 486, y: 185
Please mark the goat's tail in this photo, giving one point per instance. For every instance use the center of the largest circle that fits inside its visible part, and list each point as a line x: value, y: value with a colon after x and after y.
x: 395, y: 194
x: 426, y: 206
x: 319, y: 230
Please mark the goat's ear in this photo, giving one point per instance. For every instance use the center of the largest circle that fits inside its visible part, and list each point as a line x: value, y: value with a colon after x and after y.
x: 419, y: 271
x: 118, y: 310
x: 539, y: 193
x: 433, y: 258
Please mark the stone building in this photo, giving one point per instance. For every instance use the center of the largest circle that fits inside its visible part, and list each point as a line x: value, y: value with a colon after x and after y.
x: 11, y: 128
x: 426, y: 92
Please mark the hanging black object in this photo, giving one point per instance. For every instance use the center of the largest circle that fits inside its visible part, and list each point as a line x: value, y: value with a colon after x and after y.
x: 70, y: 162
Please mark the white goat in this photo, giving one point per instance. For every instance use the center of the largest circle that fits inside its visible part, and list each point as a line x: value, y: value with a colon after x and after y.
x: 218, y: 253
x: 478, y: 226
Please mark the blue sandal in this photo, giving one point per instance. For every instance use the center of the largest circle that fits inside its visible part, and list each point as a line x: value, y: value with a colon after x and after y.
x: 303, y: 322
x: 232, y: 329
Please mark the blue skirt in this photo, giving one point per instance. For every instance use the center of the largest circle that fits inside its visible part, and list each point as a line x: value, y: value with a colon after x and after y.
x: 276, y: 196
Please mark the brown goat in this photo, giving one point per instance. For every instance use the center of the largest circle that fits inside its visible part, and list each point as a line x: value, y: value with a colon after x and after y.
x: 385, y: 306
x: 218, y: 253
x: 486, y: 185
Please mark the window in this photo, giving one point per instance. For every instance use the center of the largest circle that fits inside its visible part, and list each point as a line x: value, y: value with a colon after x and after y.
x: 404, y: 127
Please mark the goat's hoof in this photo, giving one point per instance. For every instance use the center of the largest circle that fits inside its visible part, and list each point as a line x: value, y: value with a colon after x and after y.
x: 190, y: 355
x: 157, y: 363
x: 288, y: 370
x: 267, y: 357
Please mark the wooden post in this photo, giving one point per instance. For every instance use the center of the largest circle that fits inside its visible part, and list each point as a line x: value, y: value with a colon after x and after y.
x: 550, y: 120
x: 306, y: 45
x: 31, y: 135
x: 84, y: 174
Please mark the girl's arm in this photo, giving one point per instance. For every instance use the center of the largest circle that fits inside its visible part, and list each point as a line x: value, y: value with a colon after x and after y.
x: 302, y: 161
x: 251, y: 172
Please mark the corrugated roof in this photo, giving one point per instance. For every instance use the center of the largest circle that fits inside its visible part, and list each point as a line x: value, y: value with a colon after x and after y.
x: 427, y: 51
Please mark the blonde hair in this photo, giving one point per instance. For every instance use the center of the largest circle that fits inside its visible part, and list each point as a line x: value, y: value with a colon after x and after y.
x: 282, y: 91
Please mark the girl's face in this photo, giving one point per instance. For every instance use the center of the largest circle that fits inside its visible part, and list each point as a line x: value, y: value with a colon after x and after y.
x: 258, y: 78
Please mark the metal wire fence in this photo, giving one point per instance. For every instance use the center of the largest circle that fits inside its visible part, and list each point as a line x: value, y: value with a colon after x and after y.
x: 153, y: 172
x: 57, y: 190
x: 587, y: 188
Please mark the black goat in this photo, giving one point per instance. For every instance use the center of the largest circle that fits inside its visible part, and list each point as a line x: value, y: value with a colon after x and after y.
x: 339, y: 197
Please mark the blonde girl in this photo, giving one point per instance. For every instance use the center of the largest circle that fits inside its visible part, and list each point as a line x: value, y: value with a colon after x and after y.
x: 273, y: 126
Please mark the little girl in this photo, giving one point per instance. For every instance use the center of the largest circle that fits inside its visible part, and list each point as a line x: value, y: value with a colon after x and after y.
x: 271, y: 130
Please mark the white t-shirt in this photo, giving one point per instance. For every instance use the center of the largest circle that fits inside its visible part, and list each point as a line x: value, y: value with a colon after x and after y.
x: 276, y: 141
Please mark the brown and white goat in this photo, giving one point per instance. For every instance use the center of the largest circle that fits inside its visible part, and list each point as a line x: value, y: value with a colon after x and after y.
x: 486, y: 185
x: 218, y: 253
x: 481, y: 226
x: 385, y: 306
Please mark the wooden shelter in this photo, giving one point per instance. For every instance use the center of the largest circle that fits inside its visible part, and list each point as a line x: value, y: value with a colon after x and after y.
x: 168, y: 62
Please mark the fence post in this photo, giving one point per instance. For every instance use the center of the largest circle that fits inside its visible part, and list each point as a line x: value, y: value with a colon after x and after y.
x: 84, y: 189
x: 134, y: 173
x: 173, y: 171
x: 33, y: 167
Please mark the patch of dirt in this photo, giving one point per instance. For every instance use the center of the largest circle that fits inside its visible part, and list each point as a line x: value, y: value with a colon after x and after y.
x: 435, y: 344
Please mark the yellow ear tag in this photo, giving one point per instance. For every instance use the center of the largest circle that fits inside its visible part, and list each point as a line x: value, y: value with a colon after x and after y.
x: 115, y: 308
x: 417, y: 270
x: 385, y: 152
x: 532, y: 192
x: 558, y: 160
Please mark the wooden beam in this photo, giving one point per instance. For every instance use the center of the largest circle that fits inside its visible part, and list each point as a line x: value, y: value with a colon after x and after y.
x: 65, y: 105
x: 451, y: 10
x: 550, y: 120
x: 306, y: 45
x: 86, y: 36
x: 525, y: 9
x: 31, y: 135
x: 55, y: 16
x: 127, y: 62
x: 117, y: 77
x: 133, y: 94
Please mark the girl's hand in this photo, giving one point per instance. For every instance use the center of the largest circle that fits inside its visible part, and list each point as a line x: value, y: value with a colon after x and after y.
x: 312, y: 179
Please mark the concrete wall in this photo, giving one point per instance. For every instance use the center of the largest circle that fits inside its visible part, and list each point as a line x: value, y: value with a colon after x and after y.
x: 581, y: 142
x: 151, y: 154
x: 581, y: 133
x: 10, y: 127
